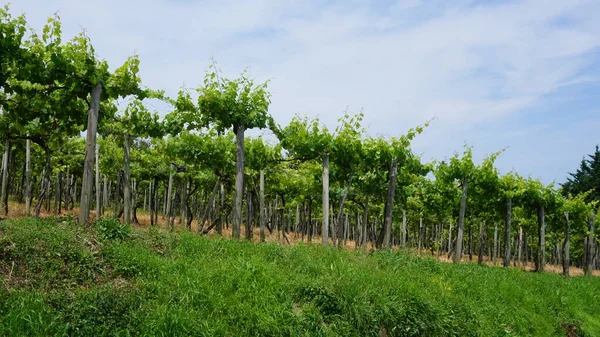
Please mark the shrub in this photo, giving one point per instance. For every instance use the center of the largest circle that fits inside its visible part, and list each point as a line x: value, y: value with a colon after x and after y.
x: 323, y: 299
x: 112, y: 229
x: 103, y: 311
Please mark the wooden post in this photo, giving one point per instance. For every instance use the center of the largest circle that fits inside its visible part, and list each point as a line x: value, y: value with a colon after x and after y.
x: 325, y: 229
x: 183, y: 208
x: 57, y: 194
x: 507, y: 232
x: 566, y: 247
x: 168, y: 196
x: 404, y: 228
x: 481, y: 238
x: 126, y: 182
x: 461, y: 222
x: 449, y: 238
x: 88, y: 167
x: 239, y: 182
x: 541, y: 240
x: 389, y: 203
x: 222, y: 204
x: 98, y: 188
x: 104, y: 194
x: 589, y: 251
x: 365, y: 230
x: 28, y: 178
x: 4, y: 196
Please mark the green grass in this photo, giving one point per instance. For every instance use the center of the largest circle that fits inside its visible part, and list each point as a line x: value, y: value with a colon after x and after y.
x: 113, y: 281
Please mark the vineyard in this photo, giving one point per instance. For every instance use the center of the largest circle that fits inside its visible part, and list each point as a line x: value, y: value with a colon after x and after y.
x: 80, y: 139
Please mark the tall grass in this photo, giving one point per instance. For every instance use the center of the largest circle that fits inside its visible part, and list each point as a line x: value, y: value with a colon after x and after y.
x: 118, y: 282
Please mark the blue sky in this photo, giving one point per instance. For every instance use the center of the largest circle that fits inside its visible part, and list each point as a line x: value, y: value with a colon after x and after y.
x: 521, y: 75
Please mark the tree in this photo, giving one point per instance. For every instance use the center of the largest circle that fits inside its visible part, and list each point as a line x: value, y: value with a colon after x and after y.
x: 511, y: 189
x: 386, y: 161
x: 539, y: 198
x: 460, y: 170
x: 483, y: 195
x: 463, y: 172
x: 122, y: 83
x: 260, y: 157
x: 588, y: 265
x: 586, y: 178
x: 307, y: 140
x: 438, y: 201
x: 136, y: 121
x: 575, y: 211
x: 45, y: 86
x: 239, y: 104
x: 210, y: 155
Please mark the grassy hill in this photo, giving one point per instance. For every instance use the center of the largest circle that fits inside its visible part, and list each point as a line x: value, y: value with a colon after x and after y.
x: 61, y: 279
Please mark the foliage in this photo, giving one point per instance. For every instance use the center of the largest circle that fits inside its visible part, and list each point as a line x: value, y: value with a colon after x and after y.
x: 233, y: 103
x: 586, y: 178
x: 136, y: 120
x: 112, y: 229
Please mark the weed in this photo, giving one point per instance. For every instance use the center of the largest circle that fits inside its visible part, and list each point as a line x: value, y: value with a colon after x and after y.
x: 112, y: 229
x: 118, y: 281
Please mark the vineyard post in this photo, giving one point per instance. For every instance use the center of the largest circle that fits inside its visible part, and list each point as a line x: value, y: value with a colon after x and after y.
x: 28, y: 178
x: 325, y: 230
x: 88, y: 168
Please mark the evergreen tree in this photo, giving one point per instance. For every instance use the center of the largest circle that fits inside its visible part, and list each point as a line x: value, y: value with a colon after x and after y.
x: 586, y: 178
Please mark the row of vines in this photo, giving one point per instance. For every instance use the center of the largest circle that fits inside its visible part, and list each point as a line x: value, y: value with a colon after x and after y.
x: 195, y: 168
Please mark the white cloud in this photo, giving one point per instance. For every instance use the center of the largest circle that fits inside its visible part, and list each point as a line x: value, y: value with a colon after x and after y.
x: 467, y: 64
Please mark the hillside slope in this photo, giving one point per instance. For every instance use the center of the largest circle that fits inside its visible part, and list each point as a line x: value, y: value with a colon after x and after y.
x: 60, y: 279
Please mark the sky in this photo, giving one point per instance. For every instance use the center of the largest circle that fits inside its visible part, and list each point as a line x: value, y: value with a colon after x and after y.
x: 517, y: 75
